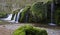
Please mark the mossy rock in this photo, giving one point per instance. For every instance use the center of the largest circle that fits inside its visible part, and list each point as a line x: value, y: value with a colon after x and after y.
x: 29, y: 30
x: 38, y: 11
x: 36, y: 8
x: 24, y: 13
x: 35, y: 13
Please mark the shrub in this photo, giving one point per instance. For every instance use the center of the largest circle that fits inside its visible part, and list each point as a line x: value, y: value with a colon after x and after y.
x: 29, y: 30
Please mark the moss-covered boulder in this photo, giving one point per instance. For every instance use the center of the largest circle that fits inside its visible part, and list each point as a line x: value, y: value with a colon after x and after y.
x: 38, y: 11
x: 24, y: 15
x: 29, y: 30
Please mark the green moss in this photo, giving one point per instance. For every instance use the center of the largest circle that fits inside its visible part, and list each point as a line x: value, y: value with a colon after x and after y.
x: 38, y: 11
x: 36, y: 7
x: 3, y: 15
x: 23, y: 14
x: 29, y: 30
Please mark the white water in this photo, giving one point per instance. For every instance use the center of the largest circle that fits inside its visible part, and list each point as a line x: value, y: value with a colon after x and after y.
x: 52, y: 24
x: 8, y: 18
x: 13, y: 19
x: 52, y: 10
x: 18, y: 15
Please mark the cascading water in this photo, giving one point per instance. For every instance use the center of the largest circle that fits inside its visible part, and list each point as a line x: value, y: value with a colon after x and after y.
x: 18, y: 15
x: 52, y: 10
x: 13, y: 19
x: 8, y: 18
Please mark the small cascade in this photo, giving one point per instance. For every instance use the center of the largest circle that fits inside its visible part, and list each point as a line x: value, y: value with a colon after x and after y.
x: 18, y: 15
x: 8, y: 18
x: 13, y: 19
x: 52, y: 11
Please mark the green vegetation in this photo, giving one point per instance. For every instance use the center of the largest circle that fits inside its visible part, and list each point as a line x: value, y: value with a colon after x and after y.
x: 34, y: 13
x: 3, y: 15
x: 57, y: 16
x: 23, y: 14
x: 29, y: 30
x: 37, y: 11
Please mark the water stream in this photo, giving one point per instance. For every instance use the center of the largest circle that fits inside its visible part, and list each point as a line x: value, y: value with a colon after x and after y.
x: 52, y: 11
x: 8, y: 18
x: 13, y: 19
x: 18, y: 15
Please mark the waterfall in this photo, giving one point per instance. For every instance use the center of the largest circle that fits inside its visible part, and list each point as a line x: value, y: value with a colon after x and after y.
x: 8, y: 18
x: 18, y: 15
x: 52, y: 10
x: 13, y: 19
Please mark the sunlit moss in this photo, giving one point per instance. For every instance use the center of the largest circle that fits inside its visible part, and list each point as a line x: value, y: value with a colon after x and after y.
x: 37, y: 9
x: 29, y: 30
x: 23, y: 14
